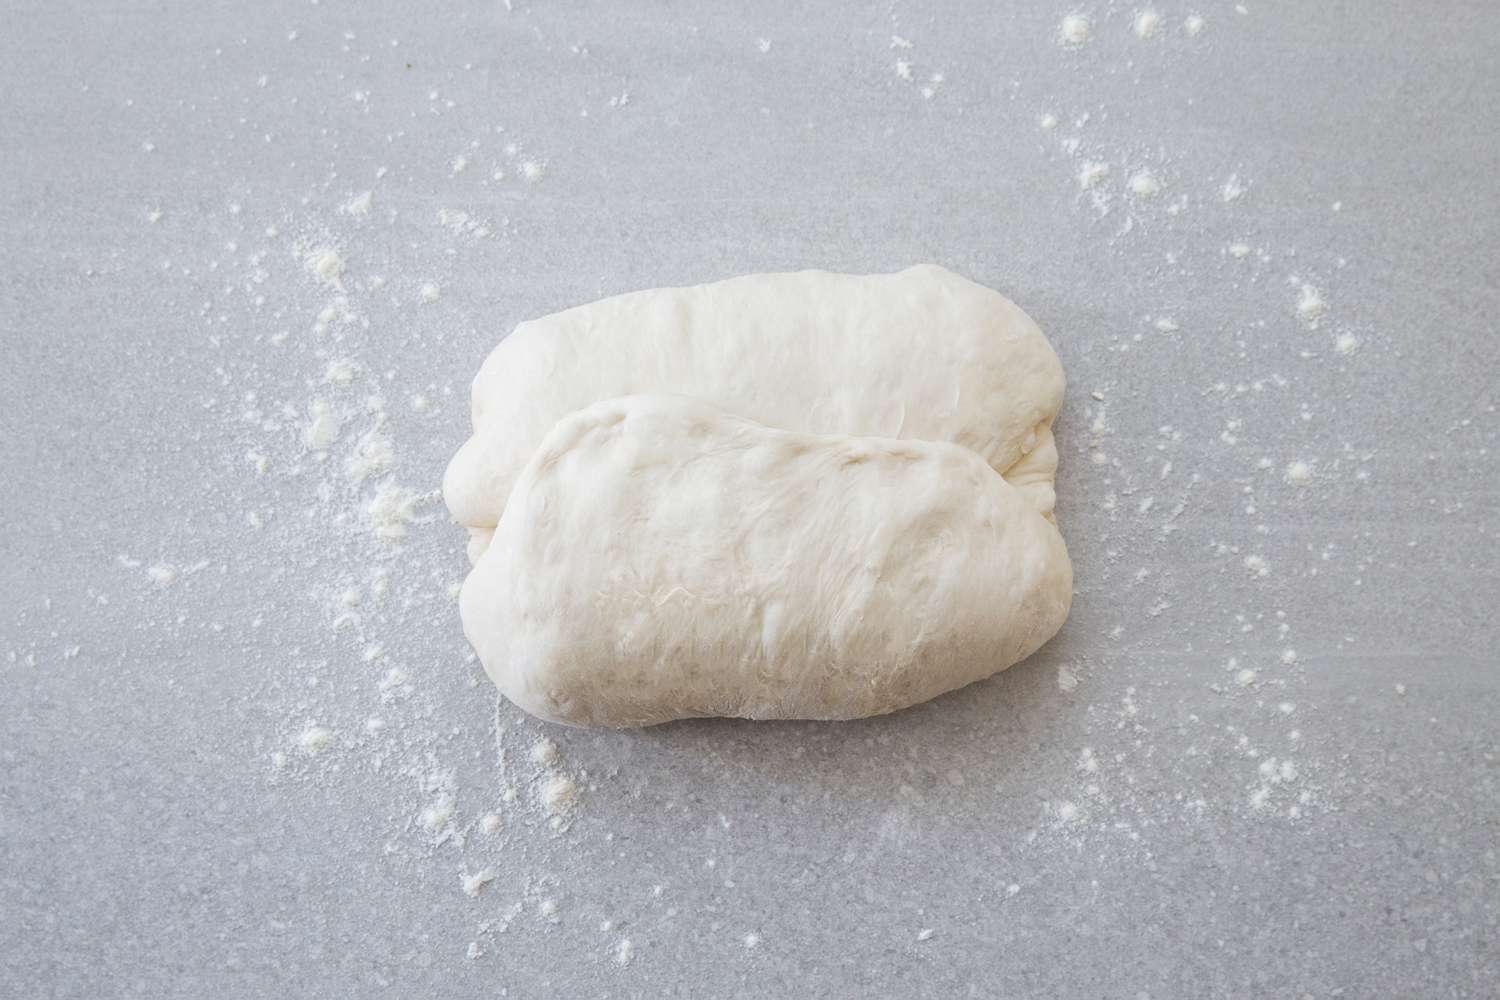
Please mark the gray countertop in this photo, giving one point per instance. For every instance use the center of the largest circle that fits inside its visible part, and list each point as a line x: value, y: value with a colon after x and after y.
x: 245, y: 751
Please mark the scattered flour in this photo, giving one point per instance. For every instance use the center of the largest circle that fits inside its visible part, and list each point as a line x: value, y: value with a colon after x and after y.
x: 1074, y: 30
x: 1299, y: 472
x: 529, y: 788
x: 358, y: 205
x: 322, y: 427
x: 559, y: 794
x: 472, y: 884
x: 1090, y: 173
x: 1146, y: 22
x: 314, y: 739
x: 392, y: 508
x: 438, y: 815
x: 162, y: 574
x: 372, y: 455
x: 544, y: 752
x: 326, y: 266
x: 1310, y: 305
x: 1144, y: 184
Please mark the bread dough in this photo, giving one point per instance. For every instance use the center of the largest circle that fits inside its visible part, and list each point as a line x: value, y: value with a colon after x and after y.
x: 767, y: 548
x: 921, y: 354
x: 661, y: 559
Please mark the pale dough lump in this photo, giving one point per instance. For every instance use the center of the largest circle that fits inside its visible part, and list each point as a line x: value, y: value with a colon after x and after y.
x: 803, y: 495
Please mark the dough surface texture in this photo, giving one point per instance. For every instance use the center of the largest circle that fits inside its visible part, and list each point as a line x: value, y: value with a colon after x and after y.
x: 921, y: 354
x: 661, y: 558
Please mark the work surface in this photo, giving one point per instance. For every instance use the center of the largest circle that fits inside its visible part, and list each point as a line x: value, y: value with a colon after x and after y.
x: 253, y: 254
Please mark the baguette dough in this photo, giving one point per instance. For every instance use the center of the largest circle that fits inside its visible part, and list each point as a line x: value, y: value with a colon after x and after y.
x: 661, y: 559
x: 921, y: 354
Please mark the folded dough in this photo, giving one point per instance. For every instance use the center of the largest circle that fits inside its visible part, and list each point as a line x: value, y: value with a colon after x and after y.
x: 921, y: 354
x: 660, y: 558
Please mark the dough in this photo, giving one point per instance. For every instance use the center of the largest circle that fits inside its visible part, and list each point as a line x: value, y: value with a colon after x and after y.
x: 921, y: 354
x: 661, y: 559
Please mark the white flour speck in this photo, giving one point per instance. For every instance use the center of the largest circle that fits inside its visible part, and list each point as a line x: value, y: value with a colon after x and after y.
x: 314, y: 739
x: 1074, y: 30
x: 326, y: 265
x: 391, y: 508
x: 559, y: 794
x: 1144, y: 184
x: 162, y: 574
x: 472, y: 884
x: 1310, y: 305
x: 544, y: 752
x: 1299, y: 472
x: 322, y: 428
x: 373, y: 454
x: 1090, y: 173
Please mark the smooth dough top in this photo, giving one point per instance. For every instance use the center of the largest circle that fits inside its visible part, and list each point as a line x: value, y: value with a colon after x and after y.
x: 663, y: 559
x: 919, y: 354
